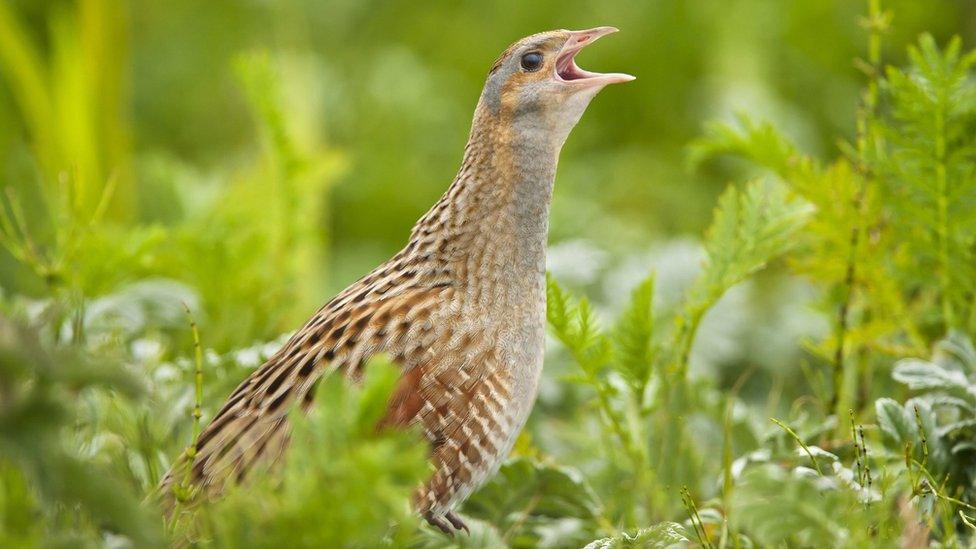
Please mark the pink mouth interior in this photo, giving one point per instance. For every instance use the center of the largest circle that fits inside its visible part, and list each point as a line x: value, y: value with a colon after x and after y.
x: 568, y: 70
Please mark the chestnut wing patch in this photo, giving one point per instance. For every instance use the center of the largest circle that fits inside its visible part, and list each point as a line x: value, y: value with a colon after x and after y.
x: 252, y: 428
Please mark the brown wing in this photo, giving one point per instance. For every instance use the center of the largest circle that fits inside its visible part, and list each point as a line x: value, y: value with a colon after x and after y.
x: 389, y: 311
x: 462, y: 399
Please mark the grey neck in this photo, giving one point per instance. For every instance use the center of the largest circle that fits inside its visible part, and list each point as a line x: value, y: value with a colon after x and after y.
x: 497, y: 209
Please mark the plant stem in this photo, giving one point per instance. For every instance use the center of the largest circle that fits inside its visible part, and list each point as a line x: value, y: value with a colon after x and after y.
x: 865, y: 139
x: 942, y: 213
x: 799, y: 441
x: 191, y: 450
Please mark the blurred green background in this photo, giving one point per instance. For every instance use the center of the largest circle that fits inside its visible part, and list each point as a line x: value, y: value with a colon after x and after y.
x: 151, y: 93
x: 263, y: 155
x: 251, y: 158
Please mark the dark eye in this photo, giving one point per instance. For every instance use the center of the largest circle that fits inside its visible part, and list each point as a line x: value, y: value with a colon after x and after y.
x: 532, y: 61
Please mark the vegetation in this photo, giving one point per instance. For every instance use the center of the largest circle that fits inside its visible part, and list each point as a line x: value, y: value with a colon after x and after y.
x: 802, y: 375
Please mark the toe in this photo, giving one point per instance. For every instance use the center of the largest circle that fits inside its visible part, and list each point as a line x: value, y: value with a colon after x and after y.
x: 440, y: 523
x: 456, y: 522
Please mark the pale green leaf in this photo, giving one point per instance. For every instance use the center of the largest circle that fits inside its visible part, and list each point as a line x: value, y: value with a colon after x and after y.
x: 923, y: 375
x: 895, y: 422
x: 659, y: 536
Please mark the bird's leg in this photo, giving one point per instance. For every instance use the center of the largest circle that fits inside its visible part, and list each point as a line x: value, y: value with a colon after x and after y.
x: 440, y: 523
x: 456, y: 522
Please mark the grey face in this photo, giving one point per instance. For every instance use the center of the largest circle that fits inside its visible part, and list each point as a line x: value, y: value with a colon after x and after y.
x: 537, y: 86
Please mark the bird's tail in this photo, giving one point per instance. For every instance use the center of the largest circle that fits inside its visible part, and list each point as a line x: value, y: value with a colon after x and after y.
x: 236, y: 442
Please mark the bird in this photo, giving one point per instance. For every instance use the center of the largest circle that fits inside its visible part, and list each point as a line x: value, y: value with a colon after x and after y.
x: 461, y: 309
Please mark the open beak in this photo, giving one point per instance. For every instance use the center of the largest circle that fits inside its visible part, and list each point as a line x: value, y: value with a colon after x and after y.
x: 569, y: 72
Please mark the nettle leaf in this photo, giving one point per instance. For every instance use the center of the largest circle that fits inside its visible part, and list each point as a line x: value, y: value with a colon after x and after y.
x: 757, y: 141
x: 575, y: 325
x: 526, y: 495
x: 634, y: 335
x: 660, y: 536
x: 897, y: 423
x: 751, y: 227
x: 922, y: 375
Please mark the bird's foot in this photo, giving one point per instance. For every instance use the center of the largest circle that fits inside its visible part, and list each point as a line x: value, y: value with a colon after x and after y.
x: 449, y: 523
x: 456, y: 522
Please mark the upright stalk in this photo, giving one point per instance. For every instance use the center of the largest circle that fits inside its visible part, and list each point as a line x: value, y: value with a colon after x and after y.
x: 942, y: 214
x: 875, y: 25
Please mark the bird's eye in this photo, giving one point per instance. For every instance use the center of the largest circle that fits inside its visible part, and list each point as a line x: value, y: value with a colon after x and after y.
x: 532, y: 61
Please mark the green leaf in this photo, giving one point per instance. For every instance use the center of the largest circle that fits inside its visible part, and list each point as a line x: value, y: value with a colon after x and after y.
x: 525, y: 496
x: 927, y: 174
x: 759, y: 142
x: 779, y: 508
x: 575, y: 325
x: 67, y: 490
x: 634, y: 336
x: 956, y: 350
x: 936, y: 400
x: 139, y: 307
x: 342, y: 483
x: 379, y: 381
x: 557, y: 305
x: 659, y: 536
x: 952, y: 428
x: 923, y: 375
x: 897, y: 423
x: 750, y: 228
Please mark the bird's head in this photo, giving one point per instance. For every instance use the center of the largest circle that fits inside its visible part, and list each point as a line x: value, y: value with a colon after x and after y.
x: 536, y: 85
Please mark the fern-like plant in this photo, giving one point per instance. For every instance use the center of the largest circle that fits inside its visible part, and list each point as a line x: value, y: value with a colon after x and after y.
x: 928, y: 173
x: 639, y: 373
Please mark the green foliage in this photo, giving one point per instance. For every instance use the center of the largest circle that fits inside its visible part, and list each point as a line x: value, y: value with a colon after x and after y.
x: 66, y: 92
x: 574, y: 323
x: 634, y: 338
x: 50, y: 490
x: 846, y: 224
x: 808, y: 510
x: 659, y: 536
x: 343, y: 483
x: 533, y: 503
x: 266, y: 223
x: 894, y: 211
x: 928, y: 169
x: 934, y: 430
x: 134, y: 186
x: 758, y: 142
x: 750, y: 228
x: 892, y: 216
x: 246, y: 237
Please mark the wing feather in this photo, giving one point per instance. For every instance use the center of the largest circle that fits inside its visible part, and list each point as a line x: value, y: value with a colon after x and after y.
x: 252, y: 427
